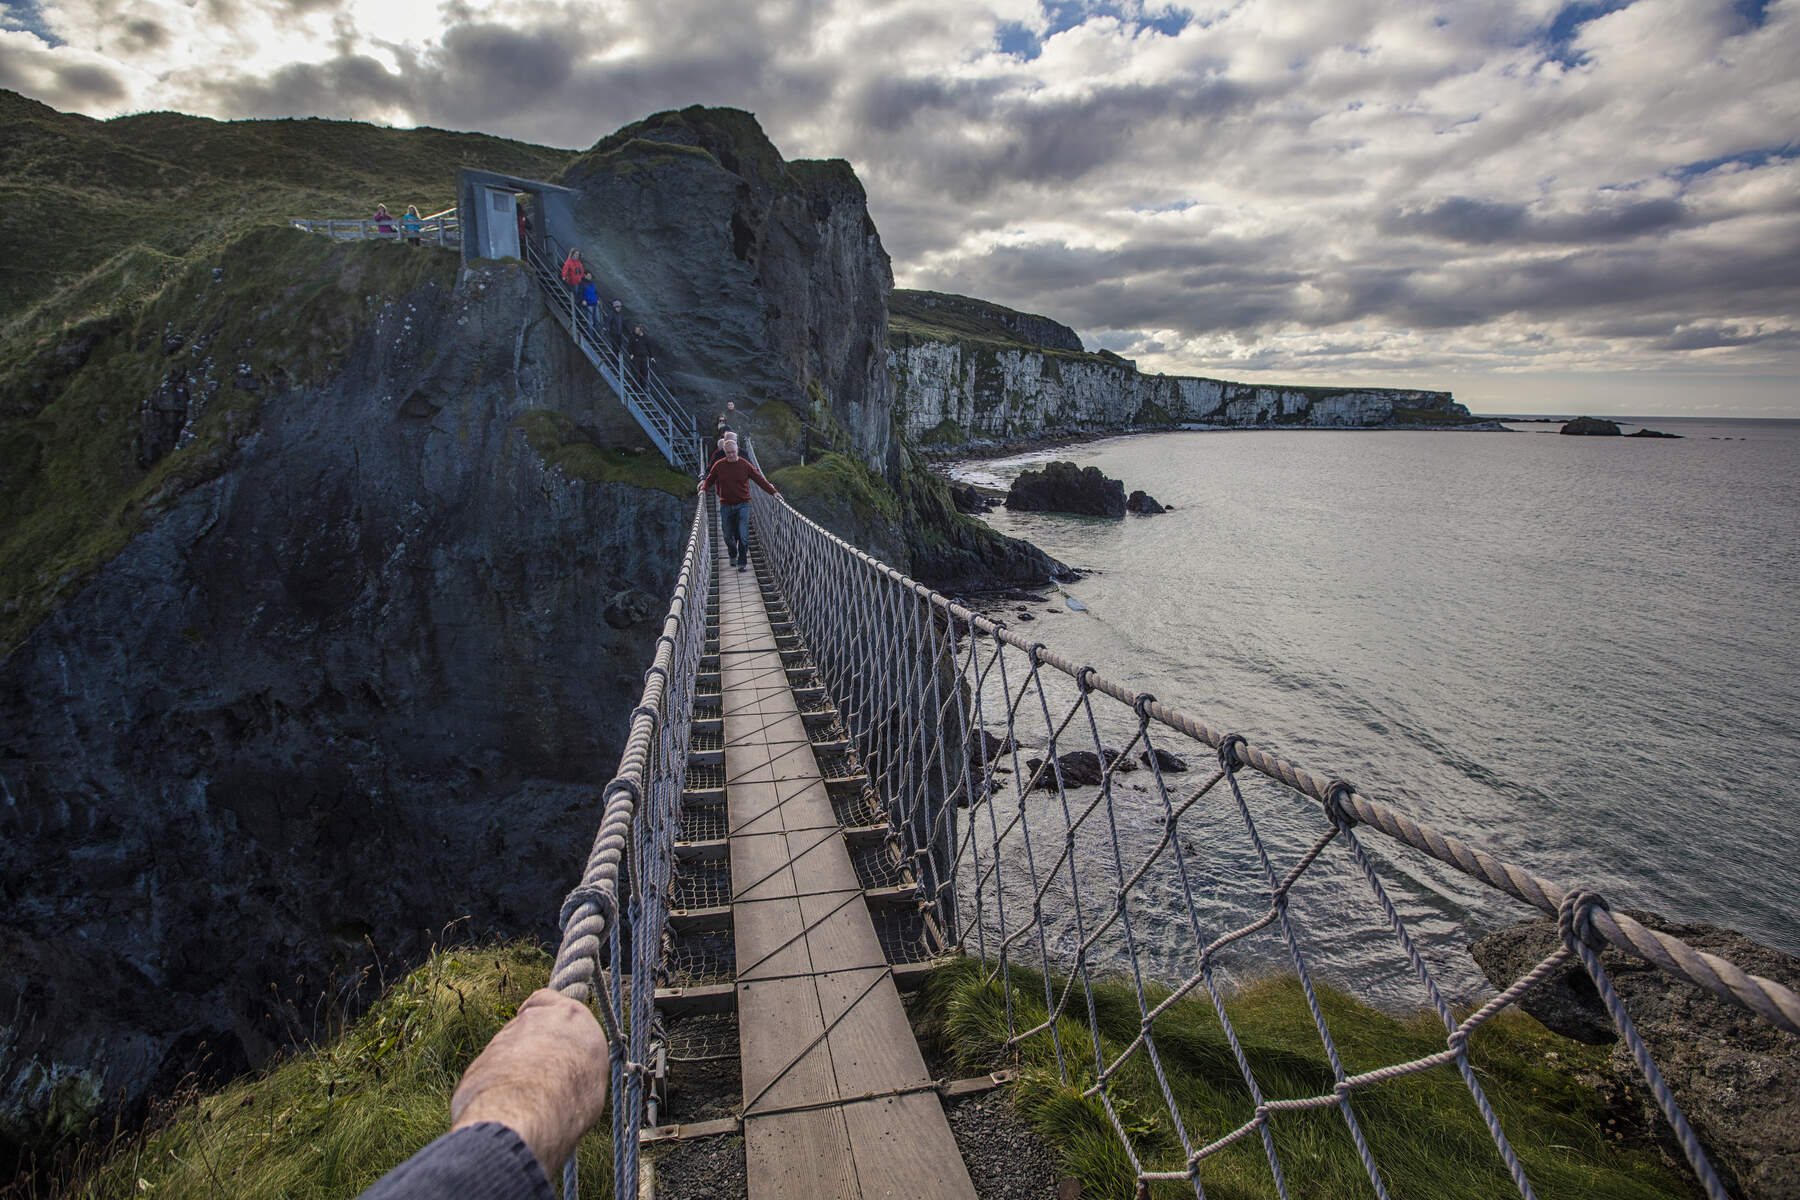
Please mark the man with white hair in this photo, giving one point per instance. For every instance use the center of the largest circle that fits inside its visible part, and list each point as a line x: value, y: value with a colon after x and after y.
x: 731, y: 475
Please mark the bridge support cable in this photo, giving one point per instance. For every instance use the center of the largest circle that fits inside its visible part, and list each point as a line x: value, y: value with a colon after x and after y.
x: 613, y: 920
x: 1060, y: 863
x: 670, y: 427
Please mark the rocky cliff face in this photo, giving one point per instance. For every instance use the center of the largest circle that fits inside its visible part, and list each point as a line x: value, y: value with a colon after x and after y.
x: 956, y: 387
x: 363, y: 679
x: 759, y: 281
x: 764, y: 282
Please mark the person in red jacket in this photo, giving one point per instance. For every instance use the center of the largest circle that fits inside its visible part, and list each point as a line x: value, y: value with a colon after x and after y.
x: 731, y: 475
x: 572, y: 270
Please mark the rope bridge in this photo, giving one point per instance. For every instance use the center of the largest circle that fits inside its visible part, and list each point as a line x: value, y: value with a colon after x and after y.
x: 1018, y: 865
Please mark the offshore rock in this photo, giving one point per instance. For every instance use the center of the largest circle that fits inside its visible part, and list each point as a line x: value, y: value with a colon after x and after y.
x: 1652, y: 433
x: 1143, y: 502
x: 352, y: 684
x: 1736, y: 1077
x: 1164, y: 760
x: 1590, y: 427
x: 1063, y: 487
x: 969, y: 500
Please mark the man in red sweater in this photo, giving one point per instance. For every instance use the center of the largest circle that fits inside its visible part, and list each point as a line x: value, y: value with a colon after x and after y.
x: 731, y: 475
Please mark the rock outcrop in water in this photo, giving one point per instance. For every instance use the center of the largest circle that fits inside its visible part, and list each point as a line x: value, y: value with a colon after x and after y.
x: 1063, y: 487
x: 1736, y: 1077
x: 1590, y: 427
x: 969, y: 371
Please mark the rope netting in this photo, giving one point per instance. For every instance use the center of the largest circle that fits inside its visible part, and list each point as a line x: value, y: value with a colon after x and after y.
x: 1002, y: 769
x: 613, y: 921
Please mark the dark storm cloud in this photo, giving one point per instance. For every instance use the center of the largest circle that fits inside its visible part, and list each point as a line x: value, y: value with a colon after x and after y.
x: 1711, y: 337
x: 978, y: 136
x: 144, y: 34
x: 1483, y: 223
x: 344, y: 87
x: 90, y: 83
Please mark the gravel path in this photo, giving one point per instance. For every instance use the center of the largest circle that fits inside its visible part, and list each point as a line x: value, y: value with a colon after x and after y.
x: 1006, y: 1160
x: 710, y: 1168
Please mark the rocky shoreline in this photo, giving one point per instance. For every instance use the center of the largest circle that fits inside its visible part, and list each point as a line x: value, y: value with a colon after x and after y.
x: 1058, y: 439
x: 1735, y: 1076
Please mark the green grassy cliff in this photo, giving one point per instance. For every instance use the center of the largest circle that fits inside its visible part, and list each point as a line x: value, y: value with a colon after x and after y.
x: 111, y: 209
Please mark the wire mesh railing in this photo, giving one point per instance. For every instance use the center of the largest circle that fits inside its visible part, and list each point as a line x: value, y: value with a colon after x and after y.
x: 438, y: 229
x: 636, y: 384
x: 613, y: 922
x: 1000, y: 766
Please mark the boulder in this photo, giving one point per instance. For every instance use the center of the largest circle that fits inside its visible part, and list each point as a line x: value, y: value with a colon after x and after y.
x: 1164, y: 760
x: 990, y: 748
x: 1065, y: 488
x: 969, y: 500
x: 1591, y: 427
x: 1143, y: 502
x: 1079, y: 768
x: 1736, y: 1077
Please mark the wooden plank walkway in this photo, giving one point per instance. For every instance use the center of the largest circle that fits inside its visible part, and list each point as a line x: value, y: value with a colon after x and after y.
x: 837, y: 1100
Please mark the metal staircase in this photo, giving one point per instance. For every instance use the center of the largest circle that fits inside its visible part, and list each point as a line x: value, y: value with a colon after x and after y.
x: 670, y: 427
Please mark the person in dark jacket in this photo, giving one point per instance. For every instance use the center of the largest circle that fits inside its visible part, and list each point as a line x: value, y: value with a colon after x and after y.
x: 640, y: 354
x: 731, y: 475
x: 615, y: 325
x: 518, y: 1112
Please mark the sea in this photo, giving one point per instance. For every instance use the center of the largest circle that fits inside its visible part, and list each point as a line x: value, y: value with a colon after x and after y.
x: 1579, y: 654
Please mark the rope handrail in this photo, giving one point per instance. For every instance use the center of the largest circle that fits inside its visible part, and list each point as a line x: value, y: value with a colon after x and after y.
x: 625, y: 881
x: 919, y: 679
x: 1770, y: 1000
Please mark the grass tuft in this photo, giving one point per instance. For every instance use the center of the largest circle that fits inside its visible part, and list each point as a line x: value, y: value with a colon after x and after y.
x: 560, y: 443
x: 331, y: 1121
x: 1426, y: 1133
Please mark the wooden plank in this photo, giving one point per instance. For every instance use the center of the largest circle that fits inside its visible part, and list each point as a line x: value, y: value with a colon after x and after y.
x: 903, y: 1147
x: 786, y: 1062
x: 819, y: 1018
x: 839, y: 935
x: 872, y: 1045
x: 800, y: 1156
x: 770, y: 939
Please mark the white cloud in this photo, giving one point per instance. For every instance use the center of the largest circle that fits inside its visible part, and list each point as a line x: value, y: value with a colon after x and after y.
x: 1315, y: 190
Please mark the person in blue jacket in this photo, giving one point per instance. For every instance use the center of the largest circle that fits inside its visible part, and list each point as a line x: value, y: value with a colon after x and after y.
x: 518, y: 1112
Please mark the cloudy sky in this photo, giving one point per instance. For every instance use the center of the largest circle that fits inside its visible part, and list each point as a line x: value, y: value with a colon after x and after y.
x: 1545, y: 207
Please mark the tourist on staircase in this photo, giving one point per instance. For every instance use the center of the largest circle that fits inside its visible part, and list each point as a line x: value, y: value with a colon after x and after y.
x: 572, y: 269
x: 731, y: 476
x: 518, y: 1112
x: 641, y: 356
x: 589, y: 296
x: 615, y: 326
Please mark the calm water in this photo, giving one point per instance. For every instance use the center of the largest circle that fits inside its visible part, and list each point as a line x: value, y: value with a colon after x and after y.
x: 1581, y: 654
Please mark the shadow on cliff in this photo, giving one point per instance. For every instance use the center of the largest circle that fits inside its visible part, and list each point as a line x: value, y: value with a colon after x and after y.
x: 333, y: 654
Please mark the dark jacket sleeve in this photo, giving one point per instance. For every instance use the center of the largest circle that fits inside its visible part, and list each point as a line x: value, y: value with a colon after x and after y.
x: 482, y: 1162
